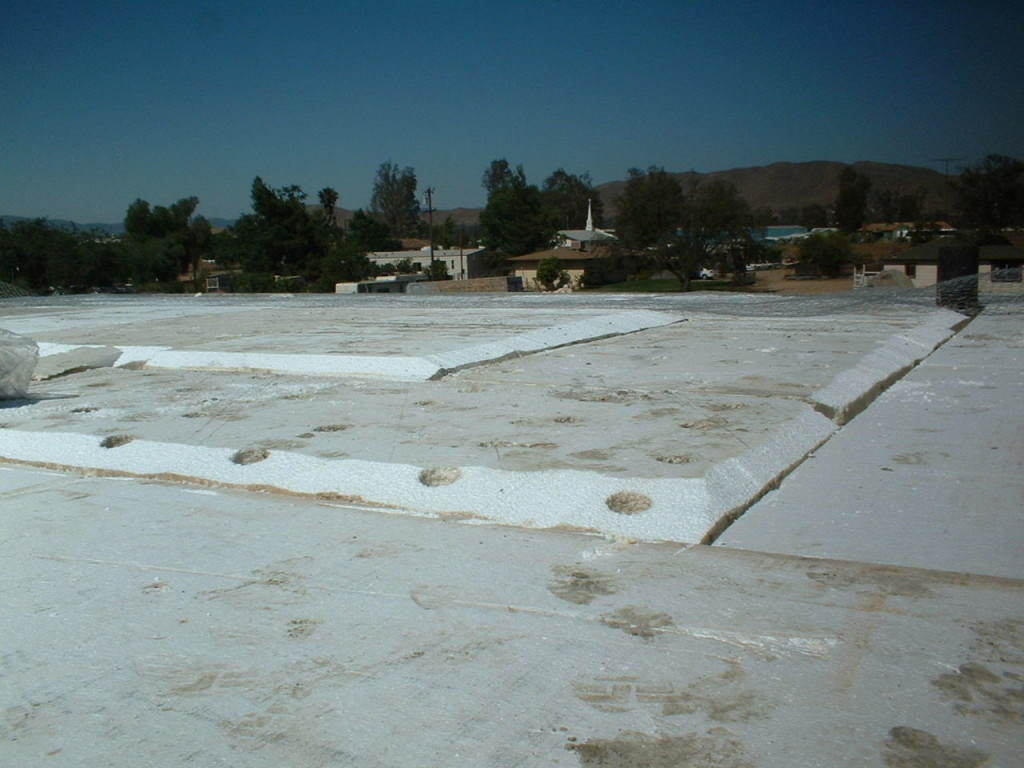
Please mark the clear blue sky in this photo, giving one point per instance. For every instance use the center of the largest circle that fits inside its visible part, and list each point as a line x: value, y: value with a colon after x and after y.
x: 105, y: 102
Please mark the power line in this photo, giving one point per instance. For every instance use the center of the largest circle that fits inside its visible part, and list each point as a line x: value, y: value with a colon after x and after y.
x: 945, y: 189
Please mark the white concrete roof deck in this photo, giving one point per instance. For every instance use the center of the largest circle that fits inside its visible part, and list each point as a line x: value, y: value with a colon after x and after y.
x: 930, y: 476
x: 181, y: 622
x: 167, y: 625
x: 693, y: 414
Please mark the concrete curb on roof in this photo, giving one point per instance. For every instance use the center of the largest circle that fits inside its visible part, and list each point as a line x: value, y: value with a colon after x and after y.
x: 398, y: 368
x: 736, y: 483
x: 671, y: 509
x: 854, y: 388
x: 539, y: 340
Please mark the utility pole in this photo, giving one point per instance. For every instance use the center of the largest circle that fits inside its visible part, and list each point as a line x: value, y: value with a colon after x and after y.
x: 429, y: 195
x: 945, y: 191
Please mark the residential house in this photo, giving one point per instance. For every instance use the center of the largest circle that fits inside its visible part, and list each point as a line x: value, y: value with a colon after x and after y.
x: 998, y: 264
x: 903, y: 230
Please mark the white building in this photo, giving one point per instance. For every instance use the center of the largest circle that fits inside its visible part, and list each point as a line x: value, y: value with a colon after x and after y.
x: 456, y: 260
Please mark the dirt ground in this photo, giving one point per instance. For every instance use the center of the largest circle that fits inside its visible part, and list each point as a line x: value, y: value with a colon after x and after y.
x: 774, y: 281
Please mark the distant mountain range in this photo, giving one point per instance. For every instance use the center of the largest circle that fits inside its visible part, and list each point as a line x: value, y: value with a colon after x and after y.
x: 784, y: 186
x: 779, y: 186
x: 111, y: 229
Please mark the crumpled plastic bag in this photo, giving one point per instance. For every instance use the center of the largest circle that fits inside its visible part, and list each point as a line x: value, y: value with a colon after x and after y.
x: 18, y: 356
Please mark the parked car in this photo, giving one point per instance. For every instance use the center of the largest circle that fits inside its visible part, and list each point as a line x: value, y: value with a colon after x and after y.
x: 706, y: 273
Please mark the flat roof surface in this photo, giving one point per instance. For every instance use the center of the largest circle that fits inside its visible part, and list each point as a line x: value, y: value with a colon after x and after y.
x: 477, y: 540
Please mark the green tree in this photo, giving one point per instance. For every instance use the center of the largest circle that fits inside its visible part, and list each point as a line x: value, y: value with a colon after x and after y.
x: 437, y: 270
x: 569, y: 197
x: 813, y: 216
x: 197, y: 241
x: 394, y: 199
x: 328, y: 197
x: 716, y: 225
x: 551, y: 273
x: 148, y: 263
x: 990, y: 195
x: 368, y: 234
x: 445, y: 234
x: 280, y: 236
x: 38, y: 255
x: 405, y: 267
x: 345, y: 262
x: 852, y: 200
x: 163, y: 242
x: 515, y: 220
x: 649, y: 208
x: 497, y: 175
x: 891, y: 206
x: 684, y: 230
x: 828, y: 250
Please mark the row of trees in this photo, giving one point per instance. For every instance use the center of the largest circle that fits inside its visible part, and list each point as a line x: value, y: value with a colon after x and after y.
x: 35, y: 255
x: 662, y: 224
x: 281, y: 237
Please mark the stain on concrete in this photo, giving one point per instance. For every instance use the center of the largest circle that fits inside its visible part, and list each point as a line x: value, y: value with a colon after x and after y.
x: 17, y: 720
x: 706, y: 425
x: 299, y: 629
x: 720, y: 697
x: 890, y: 581
x: 580, y: 585
x: 602, y: 395
x: 201, y: 678
x: 999, y: 641
x: 116, y: 441
x: 435, y: 476
x: 990, y: 684
x: 913, y: 748
x: 431, y: 597
x: 718, y: 748
x: 282, y: 444
x: 285, y: 585
x: 975, y: 689
x: 918, y: 458
x: 678, y: 458
x: 638, y: 622
x: 628, y: 502
x: 250, y: 455
x: 593, y: 454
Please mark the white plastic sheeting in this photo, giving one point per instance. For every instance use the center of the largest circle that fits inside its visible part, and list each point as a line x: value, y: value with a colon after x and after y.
x: 18, y: 356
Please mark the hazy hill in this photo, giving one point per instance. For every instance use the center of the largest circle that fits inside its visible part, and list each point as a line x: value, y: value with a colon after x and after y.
x: 781, y: 186
x: 110, y: 228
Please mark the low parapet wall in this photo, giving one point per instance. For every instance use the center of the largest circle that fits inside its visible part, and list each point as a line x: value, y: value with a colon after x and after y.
x: 475, y: 285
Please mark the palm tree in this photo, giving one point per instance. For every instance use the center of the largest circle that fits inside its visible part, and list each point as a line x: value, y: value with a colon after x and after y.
x: 328, y: 199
